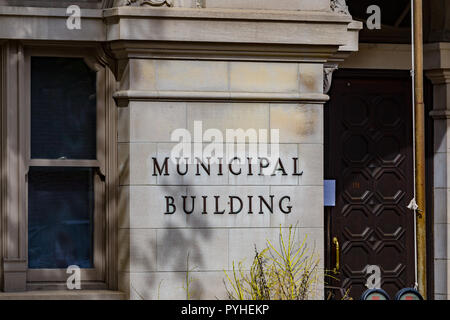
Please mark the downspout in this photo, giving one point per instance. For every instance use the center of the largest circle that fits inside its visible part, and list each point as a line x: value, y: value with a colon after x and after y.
x: 419, y: 115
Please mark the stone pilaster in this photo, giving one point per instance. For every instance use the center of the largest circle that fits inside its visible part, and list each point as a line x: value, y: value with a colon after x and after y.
x: 179, y: 66
x: 436, y: 57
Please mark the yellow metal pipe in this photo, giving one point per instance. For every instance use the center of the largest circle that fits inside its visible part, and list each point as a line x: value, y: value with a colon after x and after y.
x: 419, y: 112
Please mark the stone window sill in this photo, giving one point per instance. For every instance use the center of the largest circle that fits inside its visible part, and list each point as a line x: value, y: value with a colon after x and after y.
x: 64, y: 295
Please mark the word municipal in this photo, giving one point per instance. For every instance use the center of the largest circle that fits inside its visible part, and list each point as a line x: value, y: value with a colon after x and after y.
x: 235, y: 167
x: 229, y: 204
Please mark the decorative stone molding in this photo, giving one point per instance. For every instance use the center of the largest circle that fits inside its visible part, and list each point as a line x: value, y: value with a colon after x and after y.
x: 199, y: 3
x: 439, y: 76
x: 440, y: 114
x: 134, y: 95
x: 339, y: 6
x: 152, y: 3
x: 328, y: 77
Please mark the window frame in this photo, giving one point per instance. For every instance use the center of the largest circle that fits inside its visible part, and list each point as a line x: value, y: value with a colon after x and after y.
x: 97, y: 272
x: 15, y: 122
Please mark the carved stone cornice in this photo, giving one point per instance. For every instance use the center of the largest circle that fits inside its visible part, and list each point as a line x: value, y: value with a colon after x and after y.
x: 152, y: 3
x: 311, y: 29
x: 339, y: 6
x: 138, y: 3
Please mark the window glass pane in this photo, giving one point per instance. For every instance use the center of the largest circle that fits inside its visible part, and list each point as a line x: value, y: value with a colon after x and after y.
x: 63, y: 109
x: 60, y: 217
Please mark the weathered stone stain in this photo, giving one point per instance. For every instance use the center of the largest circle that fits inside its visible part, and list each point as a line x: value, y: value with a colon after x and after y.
x: 300, y: 120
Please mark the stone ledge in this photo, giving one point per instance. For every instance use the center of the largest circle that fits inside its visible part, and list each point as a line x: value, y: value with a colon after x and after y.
x: 440, y: 114
x: 311, y: 29
x: 64, y: 295
x: 212, y: 51
x: 47, y: 12
x: 227, y: 14
x: 29, y: 23
x: 232, y: 26
x: 134, y: 95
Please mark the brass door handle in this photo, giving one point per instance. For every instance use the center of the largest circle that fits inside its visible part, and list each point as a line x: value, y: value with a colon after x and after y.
x: 336, y: 243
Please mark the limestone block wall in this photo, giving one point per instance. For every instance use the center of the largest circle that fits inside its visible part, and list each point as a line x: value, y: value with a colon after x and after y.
x: 160, y: 96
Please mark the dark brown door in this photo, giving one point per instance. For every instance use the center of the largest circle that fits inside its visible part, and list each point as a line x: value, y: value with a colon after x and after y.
x: 369, y: 153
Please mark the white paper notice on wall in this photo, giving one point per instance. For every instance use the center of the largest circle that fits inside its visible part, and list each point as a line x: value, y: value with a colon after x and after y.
x: 329, y: 193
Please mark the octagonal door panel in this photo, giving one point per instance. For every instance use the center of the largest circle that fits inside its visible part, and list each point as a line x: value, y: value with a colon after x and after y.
x: 369, y: 153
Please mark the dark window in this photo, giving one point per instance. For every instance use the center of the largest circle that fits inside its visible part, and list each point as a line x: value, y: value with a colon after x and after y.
x: 61, y: 195
x: 60, y: 217
x: 63, y: 113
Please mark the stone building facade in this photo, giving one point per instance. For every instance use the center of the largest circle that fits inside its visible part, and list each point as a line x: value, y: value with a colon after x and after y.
x: 162, y: 66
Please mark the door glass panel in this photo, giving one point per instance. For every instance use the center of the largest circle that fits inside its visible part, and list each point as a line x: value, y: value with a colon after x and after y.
x: 63, y: 109
x: 60, y: 217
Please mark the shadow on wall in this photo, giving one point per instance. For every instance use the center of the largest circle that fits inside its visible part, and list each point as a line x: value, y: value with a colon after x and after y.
x: 164, y: 278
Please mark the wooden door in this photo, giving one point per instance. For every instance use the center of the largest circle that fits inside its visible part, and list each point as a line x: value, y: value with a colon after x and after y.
x: 368, y: 151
